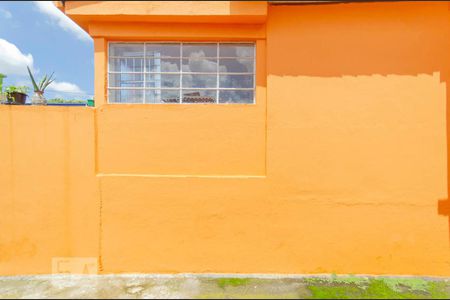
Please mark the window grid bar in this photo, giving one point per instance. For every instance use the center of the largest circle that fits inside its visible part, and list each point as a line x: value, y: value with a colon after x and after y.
x: 176, y: 43
x: 176, y: 88
x: 181, y: 72
x: 254, y: 74
x: 217, y: 76
x: 182, y: 57
x: 145, y: 67
x: 108, y: 70
x: 184, y: 88
x: 187, y: 73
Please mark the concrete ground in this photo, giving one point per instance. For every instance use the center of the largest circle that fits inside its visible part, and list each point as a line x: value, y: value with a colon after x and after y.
x: 221, y: 286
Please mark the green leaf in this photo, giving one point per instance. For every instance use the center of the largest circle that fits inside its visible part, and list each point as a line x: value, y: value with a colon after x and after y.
x: 48, y: 81
x: 35, y: 86
x: 41, y: 84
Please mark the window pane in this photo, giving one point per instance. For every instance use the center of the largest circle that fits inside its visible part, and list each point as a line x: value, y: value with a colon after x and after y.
x: 163, y: 50
x: 162, y: 65
x: 126, y: 64
x: 158, y: 77
x: 162, y: 80
x: 162, y: 96
x: 199, y: 81
x: 236, y: 81
x: 199, y: 96
x: 200, y: 65
x: 236, y: 96
x: 236, y: 50
x: 126, y: 96
x: 199, y: 50
x: 126, y: 80
x: 118, y: 49
x: 236, y: 65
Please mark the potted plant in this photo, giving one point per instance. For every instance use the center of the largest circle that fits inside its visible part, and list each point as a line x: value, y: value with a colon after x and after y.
x: 39, y: 89
x: 1, y: 81
x: 2, y: 95
x: 16, y: 94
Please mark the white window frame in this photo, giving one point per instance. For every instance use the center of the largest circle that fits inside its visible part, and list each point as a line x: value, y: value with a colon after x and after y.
x: 217, y: 89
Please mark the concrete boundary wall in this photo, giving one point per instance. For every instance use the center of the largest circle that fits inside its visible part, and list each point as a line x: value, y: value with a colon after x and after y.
x: 341, y: 166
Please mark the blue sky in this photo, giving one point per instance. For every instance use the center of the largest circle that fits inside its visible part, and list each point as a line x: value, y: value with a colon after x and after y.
x: 36, y: 33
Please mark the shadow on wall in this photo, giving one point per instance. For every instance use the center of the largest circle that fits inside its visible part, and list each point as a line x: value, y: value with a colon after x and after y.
x: 360, y: 39
x: 363, y: 39
x: 444, y: 210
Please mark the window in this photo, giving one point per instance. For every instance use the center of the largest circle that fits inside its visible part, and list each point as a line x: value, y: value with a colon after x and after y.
x: 181, y: 73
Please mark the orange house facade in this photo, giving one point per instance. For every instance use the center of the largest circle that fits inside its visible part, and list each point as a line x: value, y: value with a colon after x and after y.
x: 240, y: 137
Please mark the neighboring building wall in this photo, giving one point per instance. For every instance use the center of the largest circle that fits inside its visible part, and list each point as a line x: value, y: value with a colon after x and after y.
x: 338, y: 168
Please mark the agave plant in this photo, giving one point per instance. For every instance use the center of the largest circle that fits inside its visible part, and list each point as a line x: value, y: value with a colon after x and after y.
x: 39, y: 88
x: 43, y: 84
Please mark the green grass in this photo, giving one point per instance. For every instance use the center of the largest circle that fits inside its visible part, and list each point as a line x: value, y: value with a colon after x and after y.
x: 333, y: 287
x: 379, y: 288
x: 234, y: 282
x: 61, y: 101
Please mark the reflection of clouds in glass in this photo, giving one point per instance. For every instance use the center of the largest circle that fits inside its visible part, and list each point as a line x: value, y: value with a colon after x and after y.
x: 236, y: 81
x: 162, y: 50
x: 222, y: 69
x: 171, y: 81
x: 136, y: 50
x: 199, y: 81
x: 162, y: 96
x: 236, y: 50
x: 126, y: 96
x: 244, y: 52
x: 162, y: 65
x: 199, y: 65
x: 203, y: 65
x: 200, y: 50
x: 126, y: 64
x: 195, y: 63
x: 248, y: 64
x: 125, y: 80
x: 236, y: 65
x: 187, y: 80
x: 165, y: 80
x: 199, y: 54
x: 236, y: 96
x: 169, y: 67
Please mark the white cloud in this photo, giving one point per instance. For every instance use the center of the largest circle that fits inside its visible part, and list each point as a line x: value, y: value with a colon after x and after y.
x: 5, y: 13
x: 48, y: 8
x: 65, y: 87
x: 12, y: 60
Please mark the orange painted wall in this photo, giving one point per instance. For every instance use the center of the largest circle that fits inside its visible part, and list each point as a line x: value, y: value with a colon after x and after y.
x: 233, y: 12
x: 48, y: 194
x: 338, y: 167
